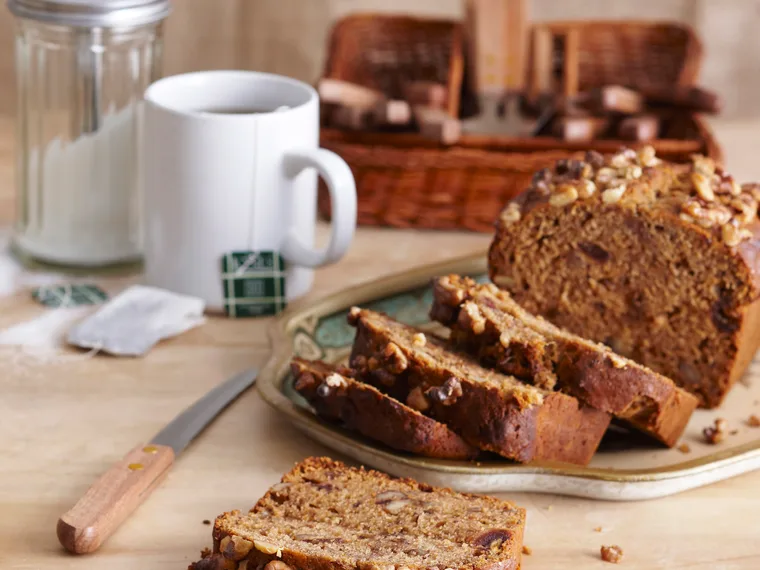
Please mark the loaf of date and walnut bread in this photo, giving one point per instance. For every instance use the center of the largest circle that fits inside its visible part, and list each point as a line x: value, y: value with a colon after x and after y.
x: 492, y: 411
x: 487, y: 323
x: 659, y: 261
x: 326, y: 516
x: 336, y: 395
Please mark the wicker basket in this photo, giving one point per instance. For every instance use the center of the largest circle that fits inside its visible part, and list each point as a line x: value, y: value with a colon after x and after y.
x: 382, y: 52
x: 404, y: 180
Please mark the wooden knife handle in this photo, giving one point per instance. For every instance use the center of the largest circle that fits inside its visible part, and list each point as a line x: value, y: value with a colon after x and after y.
x: 113, y: 497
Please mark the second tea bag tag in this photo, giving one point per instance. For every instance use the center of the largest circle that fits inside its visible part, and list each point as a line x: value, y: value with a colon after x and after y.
x: 253, y: 283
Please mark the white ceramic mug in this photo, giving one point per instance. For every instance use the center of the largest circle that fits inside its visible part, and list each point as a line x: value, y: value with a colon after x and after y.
x: 229, y: 163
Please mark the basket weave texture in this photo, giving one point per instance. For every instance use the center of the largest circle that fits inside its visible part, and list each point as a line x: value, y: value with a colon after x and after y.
x: 404, y: 180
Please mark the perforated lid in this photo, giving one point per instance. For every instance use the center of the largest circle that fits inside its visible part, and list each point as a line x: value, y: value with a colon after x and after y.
x: 92, y: 13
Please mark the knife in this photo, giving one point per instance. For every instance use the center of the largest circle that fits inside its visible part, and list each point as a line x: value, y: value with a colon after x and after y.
x: 126, y: 485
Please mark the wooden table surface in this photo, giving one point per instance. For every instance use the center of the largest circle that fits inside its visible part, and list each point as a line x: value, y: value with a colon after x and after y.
x: 61, y: 425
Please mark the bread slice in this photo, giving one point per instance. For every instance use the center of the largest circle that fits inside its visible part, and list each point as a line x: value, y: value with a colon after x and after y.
x: 326, y: 516
x: 487, y: 323
x: 659, y: 261
x: 489, y: 410
x: 337, y: 396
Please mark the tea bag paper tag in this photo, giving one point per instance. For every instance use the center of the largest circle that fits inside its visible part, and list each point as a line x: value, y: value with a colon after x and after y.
x: 253, y: 283
x: 131, y: 323
x: 67, y: 296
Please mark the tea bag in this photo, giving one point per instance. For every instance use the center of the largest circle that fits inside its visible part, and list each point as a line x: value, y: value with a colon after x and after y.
x: 135, y: 320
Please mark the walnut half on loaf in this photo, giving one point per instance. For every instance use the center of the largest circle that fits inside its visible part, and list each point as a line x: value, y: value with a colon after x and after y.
x: 659, y: 261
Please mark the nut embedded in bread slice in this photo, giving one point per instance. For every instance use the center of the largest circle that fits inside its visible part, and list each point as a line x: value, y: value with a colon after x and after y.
x: 489, y: 410
x: 337, y: 396
x: 326, y: 516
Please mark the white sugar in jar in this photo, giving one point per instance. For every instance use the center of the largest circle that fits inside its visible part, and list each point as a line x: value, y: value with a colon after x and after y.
x: 82, y: 67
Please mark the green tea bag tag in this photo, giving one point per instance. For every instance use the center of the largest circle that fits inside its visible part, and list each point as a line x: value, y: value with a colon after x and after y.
x: 253, y: 283
x: 65, y: 296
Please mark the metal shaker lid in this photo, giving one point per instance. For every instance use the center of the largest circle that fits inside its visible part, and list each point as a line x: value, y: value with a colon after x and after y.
x: 92, y: 13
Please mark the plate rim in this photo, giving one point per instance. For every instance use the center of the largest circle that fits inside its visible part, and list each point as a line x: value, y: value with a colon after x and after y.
x: 272, y: 375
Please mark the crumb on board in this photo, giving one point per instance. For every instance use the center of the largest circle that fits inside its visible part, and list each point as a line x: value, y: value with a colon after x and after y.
x: 527, y: 550
x: 716, y: 432
x: 613, y: 554
x: 753, y: 421
x: 684, y: 448
x: 733, y: 432
x: 550, y: 507
x: 206, y: 521
x: 598, y: 529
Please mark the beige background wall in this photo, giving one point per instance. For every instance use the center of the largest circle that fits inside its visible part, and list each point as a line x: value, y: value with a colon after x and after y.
x: 288, y: 36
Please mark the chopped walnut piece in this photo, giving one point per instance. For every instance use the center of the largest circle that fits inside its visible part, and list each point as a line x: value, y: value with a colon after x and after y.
x: 684, y: 448
x: 335, y: 381
x: 733, y: 235
x: 703, y: 186
x: 703, y: 164
x: 716, y: 432
x: 565, y: 194
x: 416, y: 400
x: 586, y: 188
x: 747, y: 209
x: 419, y: 339
x: 605, y: 175
x: 277, y: 565
x: 527, y: 550
x: 511, y: 214
x: 620, y: 160
x: 395, y: 359
x: 235, y: 547
x: 753, y: 421
x: 471, y: 318
x: 353, y: 315
x: 613, y: 554
x: 633, y: 172
x: 647, y: 156
x: 614, y: 194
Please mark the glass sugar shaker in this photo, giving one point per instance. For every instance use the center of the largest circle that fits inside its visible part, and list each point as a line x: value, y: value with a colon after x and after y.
x: 81, y: 69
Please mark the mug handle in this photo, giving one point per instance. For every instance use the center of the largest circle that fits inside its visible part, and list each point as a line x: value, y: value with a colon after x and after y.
x: 342, y: 188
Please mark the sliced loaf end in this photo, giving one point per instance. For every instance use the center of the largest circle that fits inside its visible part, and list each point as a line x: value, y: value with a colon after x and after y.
x: 337, y: 396
x: 326, y: 516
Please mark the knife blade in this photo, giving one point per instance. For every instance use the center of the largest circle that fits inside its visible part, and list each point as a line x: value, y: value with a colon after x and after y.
x: 128, y: 483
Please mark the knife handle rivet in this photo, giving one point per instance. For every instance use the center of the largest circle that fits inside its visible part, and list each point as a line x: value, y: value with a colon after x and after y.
x: 150, y: 449
x: 135, y: 466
